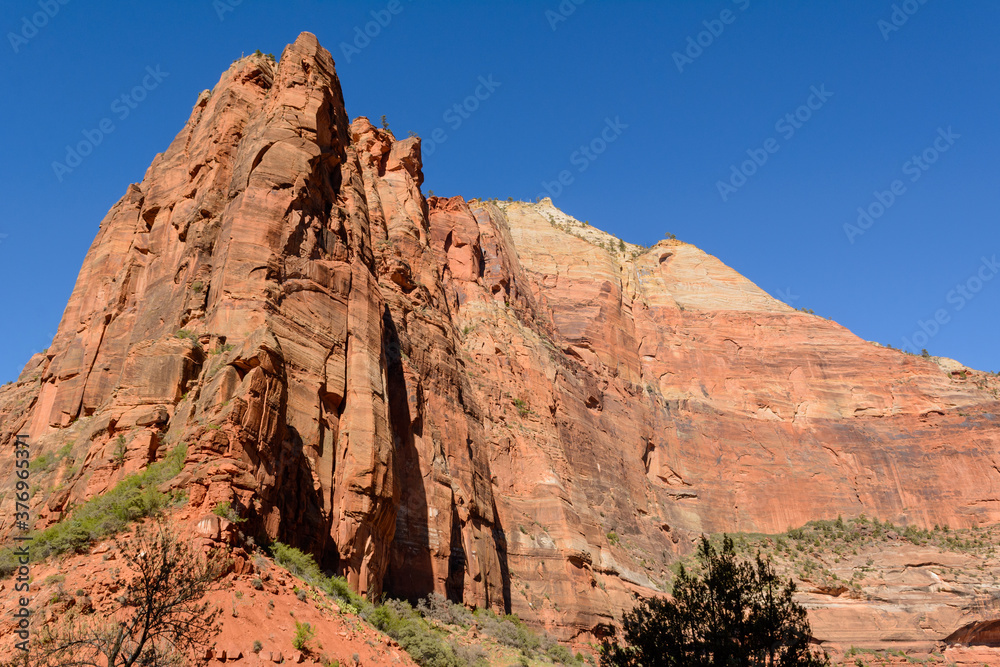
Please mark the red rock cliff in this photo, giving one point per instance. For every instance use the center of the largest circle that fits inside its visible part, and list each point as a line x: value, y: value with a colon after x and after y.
x: 489, y: 400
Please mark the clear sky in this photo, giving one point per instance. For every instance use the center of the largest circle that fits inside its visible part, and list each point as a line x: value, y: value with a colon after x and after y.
x: 753, y: 129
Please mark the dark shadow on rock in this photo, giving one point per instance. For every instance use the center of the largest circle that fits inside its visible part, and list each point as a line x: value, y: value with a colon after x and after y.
x: 410, y: 574
x: 302, y: 525
x: 455, y: 584
x: 500, y: 539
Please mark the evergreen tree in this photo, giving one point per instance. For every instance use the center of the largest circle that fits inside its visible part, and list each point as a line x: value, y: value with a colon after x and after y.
x: 738, y: 615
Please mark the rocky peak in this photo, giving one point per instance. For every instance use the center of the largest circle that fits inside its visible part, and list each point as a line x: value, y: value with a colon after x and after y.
x: 491, y: 400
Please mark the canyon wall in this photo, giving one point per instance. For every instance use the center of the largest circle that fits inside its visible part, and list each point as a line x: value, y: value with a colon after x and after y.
x: 490, y: 400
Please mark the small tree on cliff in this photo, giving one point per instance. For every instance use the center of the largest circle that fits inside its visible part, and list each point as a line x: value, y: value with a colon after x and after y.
x: 163, y: 616
x: 739, y: 614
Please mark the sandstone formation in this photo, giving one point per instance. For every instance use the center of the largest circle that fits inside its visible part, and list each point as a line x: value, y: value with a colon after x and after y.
x: 490, y: 400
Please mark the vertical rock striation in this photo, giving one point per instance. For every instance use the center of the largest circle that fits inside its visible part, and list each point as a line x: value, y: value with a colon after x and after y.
x: 488, y: 400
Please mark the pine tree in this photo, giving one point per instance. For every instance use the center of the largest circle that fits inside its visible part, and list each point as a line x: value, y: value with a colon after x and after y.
x: 739, y: 614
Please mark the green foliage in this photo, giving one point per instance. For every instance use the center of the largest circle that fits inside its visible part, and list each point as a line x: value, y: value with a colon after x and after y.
x: 561, y: 655
x: 739, y: 613
x: 299, y: 563
x: 133, y: 498
x: 835, y: 536
x: 385, y: 124
x: 303, y: 565
x: 522, y: 407
x: 399, y: 620
x: 185, y: 334
x: 257, y: 646
x: 510, y: 631
x: 228, y: 512
x: 65, y: 452
x: 43, y: 462
x: 417, y: 630
x: 303, y: 633
x: 439, y: 608
x: 613, y: 538
x: 670, y: 236
x: 473, y: 656
x: 121, y: 450
x: 197, y: 286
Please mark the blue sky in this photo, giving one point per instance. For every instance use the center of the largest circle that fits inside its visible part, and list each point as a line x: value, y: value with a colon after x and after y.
x: 695, y: 90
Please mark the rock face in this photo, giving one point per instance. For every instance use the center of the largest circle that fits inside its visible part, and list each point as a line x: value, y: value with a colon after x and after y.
x: 489, y: 400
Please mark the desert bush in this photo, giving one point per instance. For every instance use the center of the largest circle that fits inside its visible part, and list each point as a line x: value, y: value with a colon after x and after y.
x: 473, y: 656
x: 299, y: 563
x: 164, y: 614
x: 121, y: 450
x: 133, y: 498
x: 399, y: 620
x: 561, y: 655
x: 509, y: 630
x: 440, y: 608
x: 303, y: 633
x: 304, y: 566
x: 226, y: 510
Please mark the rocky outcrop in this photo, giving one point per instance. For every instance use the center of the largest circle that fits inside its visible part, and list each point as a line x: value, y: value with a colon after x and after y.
x: 489, y: 400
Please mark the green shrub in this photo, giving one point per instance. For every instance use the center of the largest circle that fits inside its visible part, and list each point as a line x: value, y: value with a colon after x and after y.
x: 43, y: 462
x: 121, y: 449
x: 65, y: 451
x: 297, y: 562
x: 441, y: 609
x: 133, y: 498
x: 340, y: 589
x: 473, y: 656
x: 303, y: 633
x: 561, y: 655
x: 303, y: 565
x: 399, y: 621
x: 228, y: 512
x: 257, y: 646
x: 508, y: 630
x: 522, y: 407
x: 738, y: 612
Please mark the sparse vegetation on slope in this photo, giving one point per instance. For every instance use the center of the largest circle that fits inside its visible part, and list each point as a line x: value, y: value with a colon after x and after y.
x: 818, y: 550
x: 433, y: 633
x: 164, y: 613
x: 133, y: 498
